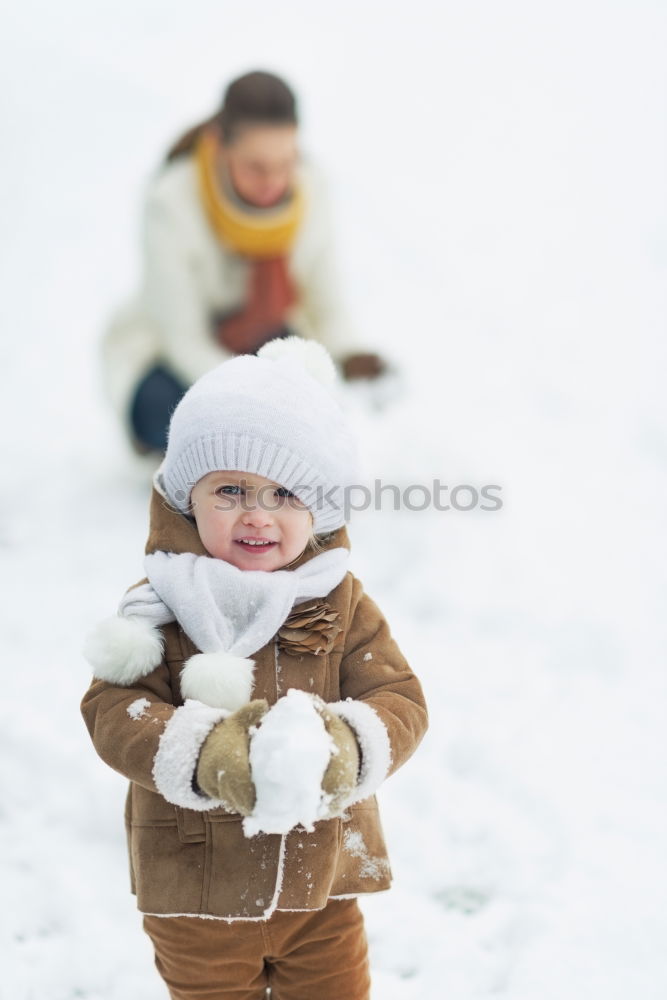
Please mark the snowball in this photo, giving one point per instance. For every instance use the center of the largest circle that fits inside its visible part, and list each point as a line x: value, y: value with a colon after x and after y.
x: 289, y: 754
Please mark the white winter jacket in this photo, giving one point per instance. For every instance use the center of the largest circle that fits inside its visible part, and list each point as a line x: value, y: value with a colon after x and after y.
x: 189, y: 277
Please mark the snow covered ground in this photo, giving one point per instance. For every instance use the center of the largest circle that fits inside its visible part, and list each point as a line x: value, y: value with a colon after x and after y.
x: 498, y: 172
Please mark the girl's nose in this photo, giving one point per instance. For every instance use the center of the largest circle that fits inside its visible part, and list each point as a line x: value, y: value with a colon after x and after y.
x: 257, y: 516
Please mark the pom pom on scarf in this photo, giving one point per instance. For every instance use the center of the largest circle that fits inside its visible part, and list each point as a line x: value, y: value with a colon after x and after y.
x: 220, y: 680
x: 123, y: 650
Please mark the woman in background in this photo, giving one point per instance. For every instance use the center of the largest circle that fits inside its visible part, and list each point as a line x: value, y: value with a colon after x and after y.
x: 238, y: 250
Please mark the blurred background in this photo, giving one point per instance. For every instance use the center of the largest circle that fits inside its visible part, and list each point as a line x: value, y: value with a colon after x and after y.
x: 497, y: 174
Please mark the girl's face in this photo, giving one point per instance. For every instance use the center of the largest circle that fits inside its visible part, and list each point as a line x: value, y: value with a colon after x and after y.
x: 261, y: 161
x: 249, y: 521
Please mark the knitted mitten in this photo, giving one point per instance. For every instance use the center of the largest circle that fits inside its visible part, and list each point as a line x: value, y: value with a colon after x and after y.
x: 223, y: 770
x: 340, y: 777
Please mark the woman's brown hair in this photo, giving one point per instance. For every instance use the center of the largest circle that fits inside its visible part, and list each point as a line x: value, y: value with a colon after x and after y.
x: 257, y: 98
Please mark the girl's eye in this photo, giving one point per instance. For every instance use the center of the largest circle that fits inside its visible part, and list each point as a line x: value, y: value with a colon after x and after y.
x: 229, y: 491
x: 282, y: 492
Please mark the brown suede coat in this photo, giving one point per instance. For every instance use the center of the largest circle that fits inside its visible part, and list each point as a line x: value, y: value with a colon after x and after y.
x: 188, y: 862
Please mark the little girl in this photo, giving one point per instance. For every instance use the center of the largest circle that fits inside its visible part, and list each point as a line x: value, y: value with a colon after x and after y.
x: 252, y: 694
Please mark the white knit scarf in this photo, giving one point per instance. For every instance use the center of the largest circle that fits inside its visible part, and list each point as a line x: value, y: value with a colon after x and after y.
x: 223, y: 608
x: 228, y: 614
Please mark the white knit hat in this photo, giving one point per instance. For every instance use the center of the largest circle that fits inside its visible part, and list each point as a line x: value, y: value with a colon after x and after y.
x: 274, y: 415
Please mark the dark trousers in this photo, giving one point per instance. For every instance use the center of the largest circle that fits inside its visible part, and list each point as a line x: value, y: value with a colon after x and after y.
x: 154, y: 401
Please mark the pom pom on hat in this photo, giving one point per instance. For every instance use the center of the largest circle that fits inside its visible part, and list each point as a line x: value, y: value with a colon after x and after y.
x: 308, y: 353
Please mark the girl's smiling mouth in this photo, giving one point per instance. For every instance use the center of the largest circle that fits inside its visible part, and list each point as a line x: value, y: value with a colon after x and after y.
x: 257, y: 544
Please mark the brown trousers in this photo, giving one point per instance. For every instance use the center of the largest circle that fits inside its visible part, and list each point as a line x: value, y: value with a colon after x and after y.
x: 313, y: 955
